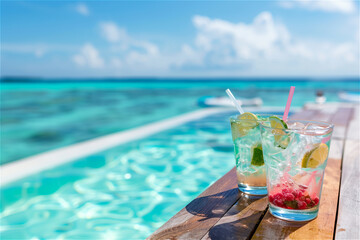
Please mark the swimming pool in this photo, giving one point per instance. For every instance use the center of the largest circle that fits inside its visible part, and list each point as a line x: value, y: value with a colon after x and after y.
x: 123, y: 193
x: 37, y: 117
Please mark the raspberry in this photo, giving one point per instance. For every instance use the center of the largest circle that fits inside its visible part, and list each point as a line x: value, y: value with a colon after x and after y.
x: 308, y: 201
x: 301, y: 204
x: 278, y: 203
x: 316, y: 200
x: 271, y: 198
x: 294, y: 193
x: 279, y: 196
x: 299, y: 194
x: 285, y: 190
x: 289, y: 197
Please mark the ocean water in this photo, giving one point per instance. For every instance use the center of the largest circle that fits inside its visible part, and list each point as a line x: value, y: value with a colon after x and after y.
x: 41, y: 116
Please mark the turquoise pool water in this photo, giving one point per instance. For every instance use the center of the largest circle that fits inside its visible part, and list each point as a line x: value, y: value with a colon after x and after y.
x: 123, y: 193
x: 37, y: 117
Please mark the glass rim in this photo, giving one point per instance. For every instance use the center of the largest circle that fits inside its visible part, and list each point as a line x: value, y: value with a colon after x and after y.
x: 234, y: 118
x: 327, y: 126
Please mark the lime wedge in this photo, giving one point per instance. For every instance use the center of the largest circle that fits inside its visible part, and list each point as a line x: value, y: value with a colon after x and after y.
x: 257, y: 158
x: 281, y: 138
x: 316, y: 156
x: 240, y: 129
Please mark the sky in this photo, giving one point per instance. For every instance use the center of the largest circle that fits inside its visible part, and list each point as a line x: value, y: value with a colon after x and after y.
x: 69, y: 39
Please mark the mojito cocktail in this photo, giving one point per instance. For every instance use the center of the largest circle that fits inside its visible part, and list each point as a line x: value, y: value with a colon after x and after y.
x: 250, y: 168
x: 295, y: 155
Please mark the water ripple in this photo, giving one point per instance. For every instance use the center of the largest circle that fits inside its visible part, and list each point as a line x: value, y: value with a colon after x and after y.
x: 123, y: 193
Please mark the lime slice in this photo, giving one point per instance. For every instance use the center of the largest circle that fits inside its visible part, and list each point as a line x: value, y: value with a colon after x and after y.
x: 316, y: 156
x: 257, y: 158
x: 280, y: 136
x: 240, y: 129
x: 248, y: 115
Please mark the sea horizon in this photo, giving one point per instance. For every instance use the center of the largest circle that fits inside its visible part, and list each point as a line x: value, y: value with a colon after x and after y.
x: 24, y: 79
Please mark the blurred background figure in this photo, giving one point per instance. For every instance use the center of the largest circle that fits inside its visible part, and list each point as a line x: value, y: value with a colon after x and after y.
x: 320, y: 98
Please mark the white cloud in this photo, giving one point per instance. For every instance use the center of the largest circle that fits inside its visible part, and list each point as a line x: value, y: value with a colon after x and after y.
x: 132, y: 54
x: 263, y: 47
x: 122, y: 41
x: 343, y: 6
x: 82, y: 9
x: 266, y: 46
x: 89, y: 56
x: 111, y: 32
x: 38, y: 50
x: 240, y: 41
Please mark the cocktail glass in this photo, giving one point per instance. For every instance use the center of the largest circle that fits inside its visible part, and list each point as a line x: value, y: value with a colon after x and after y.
x: 295, y: 161
x: 250, y: 167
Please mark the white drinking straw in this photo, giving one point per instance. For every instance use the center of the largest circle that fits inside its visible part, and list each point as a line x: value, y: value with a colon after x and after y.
x: 234, y: 101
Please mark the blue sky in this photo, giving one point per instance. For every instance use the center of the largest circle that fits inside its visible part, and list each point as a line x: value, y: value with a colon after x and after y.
x: 180, y: 38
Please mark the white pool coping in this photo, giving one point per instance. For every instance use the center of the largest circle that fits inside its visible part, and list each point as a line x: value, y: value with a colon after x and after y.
x: 22, y: 168
x: 27, y: 166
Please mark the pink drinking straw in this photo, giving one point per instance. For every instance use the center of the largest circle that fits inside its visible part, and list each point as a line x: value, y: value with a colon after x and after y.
x: 287, y: 108
x: 325, y: 140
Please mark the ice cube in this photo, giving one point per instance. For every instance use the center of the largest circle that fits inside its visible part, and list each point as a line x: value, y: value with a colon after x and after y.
x: 296, y: 125
x: 314, y: 129
x: 313, y: 126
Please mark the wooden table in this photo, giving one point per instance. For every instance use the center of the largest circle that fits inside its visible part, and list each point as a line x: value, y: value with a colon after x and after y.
x: 223, y: 212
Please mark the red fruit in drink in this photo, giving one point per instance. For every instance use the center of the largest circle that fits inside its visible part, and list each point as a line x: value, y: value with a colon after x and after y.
x: 308, y: 201
x: 294, y: 193
x: 289, y: 197
x: 316, y: 200
x: 278, y: 203
x: 285, y: 190
x: 301, y: 204
x: 271, y: 198
x: 299, y: 194
x: 279, y: 196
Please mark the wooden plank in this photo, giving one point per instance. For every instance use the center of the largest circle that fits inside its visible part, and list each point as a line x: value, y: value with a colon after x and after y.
x: 341, y: 119
x: 315, y: 114
x: 195, y: 220
x: 342, y: 116
x: 339, y: 132
x: 323, y: 226
x: 304, y: 114
x: 323, y: 114
x: 353, y: 131
x: 241, y: 220
x: 349, y: 201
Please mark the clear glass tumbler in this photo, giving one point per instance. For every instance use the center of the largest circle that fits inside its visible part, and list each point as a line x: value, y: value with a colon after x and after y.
x: 250, y: 167
x: 295, y: 161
